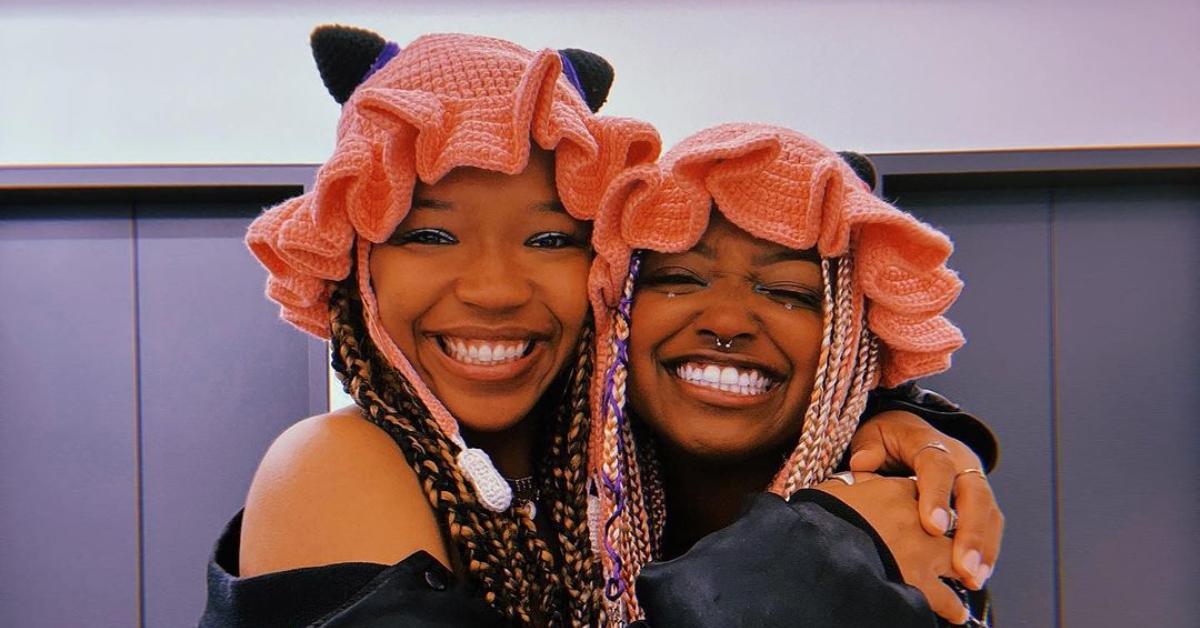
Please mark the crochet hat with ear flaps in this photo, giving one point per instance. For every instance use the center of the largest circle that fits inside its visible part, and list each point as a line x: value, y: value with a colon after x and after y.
x: 444, y: 102
x: 782, y: 186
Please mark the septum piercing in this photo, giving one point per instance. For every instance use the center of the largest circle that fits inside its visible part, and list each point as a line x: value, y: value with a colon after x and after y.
x: 724, y: 345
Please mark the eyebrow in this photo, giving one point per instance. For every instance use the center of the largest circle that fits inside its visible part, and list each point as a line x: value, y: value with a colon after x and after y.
x: 431, y: 203
x: 786, y: 255
x: 550, y: 206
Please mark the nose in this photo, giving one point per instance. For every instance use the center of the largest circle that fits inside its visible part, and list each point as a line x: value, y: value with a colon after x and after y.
x: 493, y: 279
x: 727, y: 320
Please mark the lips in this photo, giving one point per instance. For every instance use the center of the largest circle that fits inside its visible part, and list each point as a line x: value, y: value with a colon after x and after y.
x: 483, y: 352
x: 488, y: 355
x: 726, y: 378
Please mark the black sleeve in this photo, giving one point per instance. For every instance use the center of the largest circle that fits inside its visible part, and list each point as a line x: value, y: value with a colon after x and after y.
x: 811, y: 563
x: 417, y: 591
x: 944, y: 415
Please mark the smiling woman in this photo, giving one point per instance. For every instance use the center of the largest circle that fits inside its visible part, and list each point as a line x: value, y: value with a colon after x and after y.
x: 750, y: 292
x: 483, y: 287
x: 444, y: 252
x: 728, y: 336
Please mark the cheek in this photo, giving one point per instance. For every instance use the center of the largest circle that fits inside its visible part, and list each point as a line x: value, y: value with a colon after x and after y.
x: 403, y: 288
x: 652, y: 322
x: 564, y: 289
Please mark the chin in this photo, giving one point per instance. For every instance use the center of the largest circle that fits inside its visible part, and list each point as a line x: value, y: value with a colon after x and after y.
x: 489, y: 415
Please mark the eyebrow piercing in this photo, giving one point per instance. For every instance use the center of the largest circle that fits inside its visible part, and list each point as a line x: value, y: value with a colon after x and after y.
x: 671, y: 295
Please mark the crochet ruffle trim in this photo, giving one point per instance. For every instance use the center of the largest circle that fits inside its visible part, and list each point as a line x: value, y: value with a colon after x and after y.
x: 390, y: 136
x: 781, y: 186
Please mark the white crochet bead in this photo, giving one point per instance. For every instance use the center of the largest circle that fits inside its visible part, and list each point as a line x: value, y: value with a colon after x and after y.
x: 494, y: 493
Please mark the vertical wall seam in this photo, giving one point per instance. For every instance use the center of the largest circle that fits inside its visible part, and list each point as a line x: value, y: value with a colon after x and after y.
x: 140, y: 540
x: 1055, y: 406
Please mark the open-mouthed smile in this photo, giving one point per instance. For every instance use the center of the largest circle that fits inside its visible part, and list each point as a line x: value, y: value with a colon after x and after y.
x: 487, y: 356
x: 484, y: 352
x: 726, y: 378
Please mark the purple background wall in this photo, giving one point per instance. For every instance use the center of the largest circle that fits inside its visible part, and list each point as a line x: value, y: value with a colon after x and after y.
x: 1080, y: 313
x: 144, y: 375
x: 68, y: 421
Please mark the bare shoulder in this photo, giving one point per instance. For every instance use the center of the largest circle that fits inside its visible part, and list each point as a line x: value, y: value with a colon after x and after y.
x: 335, y: 488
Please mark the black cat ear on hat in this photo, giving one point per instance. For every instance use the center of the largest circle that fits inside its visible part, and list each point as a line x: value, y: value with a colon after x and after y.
x: 861, y: 165
x: 346, y: 56
x: 590, y: 73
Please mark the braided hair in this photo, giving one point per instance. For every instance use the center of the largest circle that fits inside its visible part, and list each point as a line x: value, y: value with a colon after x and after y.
x: 511, y: 567
x: 632, y: 499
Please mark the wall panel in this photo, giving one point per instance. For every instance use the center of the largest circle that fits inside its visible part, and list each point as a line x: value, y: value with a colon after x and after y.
x: 1128, y: 295
x: 1002, y: 374
x: 68, y: 523
x: 221, y: 377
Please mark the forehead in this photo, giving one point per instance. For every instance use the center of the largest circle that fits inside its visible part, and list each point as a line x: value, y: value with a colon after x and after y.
x: 723, y: 239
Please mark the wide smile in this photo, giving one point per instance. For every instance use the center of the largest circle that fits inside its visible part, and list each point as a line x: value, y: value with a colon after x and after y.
x: 722, y: 382
x: 488, y: 358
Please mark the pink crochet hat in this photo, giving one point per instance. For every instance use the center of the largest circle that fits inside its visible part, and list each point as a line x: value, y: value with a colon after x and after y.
x: 782, y: 186
x: 446, y: 101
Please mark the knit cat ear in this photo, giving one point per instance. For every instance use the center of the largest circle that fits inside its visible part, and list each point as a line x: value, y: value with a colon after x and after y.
x: 590, y: 73
x: 346, y: 56
x: 861, y: 165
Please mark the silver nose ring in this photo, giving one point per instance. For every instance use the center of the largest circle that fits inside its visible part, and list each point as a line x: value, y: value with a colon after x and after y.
x: 724, y: 345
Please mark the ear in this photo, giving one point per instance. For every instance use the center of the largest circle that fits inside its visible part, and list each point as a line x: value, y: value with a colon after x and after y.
x: 861, y: 165
x: 594, y: 73
x: 344, y: 54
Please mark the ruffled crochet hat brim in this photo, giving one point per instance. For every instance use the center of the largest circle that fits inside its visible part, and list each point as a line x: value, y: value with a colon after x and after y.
x: 784, y: 187
x: 444, y: 102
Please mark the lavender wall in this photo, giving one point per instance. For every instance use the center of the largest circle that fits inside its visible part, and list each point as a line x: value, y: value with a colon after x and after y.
x: 144, y: 377
x: 1080, y: 312
x: 68, y: 416
x: 221, y: 376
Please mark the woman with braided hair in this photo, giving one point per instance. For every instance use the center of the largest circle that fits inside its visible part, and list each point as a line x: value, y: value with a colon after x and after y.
x: 444, y: 250
x: 750, y: 292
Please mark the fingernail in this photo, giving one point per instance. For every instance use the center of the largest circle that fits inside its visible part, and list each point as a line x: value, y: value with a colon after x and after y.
x: 971, y: 561
x: 982, y: 574
x: 941, y: 519
x: 857, y: 454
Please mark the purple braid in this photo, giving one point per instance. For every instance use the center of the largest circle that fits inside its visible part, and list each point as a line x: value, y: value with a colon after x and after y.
x: 614, y: 588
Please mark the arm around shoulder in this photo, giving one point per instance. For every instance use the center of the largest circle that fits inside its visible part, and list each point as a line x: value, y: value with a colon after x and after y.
x: 333, y: 489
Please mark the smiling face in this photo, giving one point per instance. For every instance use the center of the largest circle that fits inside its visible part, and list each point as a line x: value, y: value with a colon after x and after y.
x: 483, y: 288
x: 725, y: 340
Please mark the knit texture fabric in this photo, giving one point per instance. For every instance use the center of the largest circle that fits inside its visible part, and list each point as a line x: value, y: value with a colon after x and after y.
x: 446, y: 101
x: 779, y: 185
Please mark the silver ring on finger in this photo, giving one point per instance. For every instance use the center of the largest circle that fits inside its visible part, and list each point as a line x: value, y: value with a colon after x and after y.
x: 933, y: 444
x: 844, y: 476
x: 971, y: 471
x: 952, y: 527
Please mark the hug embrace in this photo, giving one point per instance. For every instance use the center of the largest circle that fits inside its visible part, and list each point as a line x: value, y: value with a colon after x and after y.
x: 594, y: 386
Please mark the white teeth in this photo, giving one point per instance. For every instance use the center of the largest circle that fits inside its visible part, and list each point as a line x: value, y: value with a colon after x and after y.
x: 729, y: 376
x: 484, y: 352
x: 729, y: 379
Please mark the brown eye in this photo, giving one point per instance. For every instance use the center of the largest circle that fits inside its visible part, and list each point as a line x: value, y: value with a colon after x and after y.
x: 674, y: 279
x: 429, y: 236
x: 552, y: 240
x: 790, y: 296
